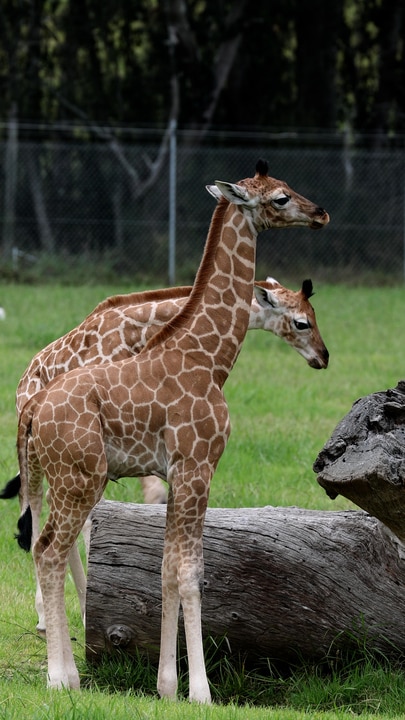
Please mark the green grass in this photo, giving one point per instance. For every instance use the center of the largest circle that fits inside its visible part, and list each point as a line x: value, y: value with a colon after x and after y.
x: 282, y: 413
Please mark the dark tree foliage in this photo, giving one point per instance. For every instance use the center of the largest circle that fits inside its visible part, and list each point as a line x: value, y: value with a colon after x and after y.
x: 229, y: 63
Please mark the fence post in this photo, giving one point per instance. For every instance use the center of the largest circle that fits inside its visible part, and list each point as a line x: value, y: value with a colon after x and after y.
x: 403, y: 235
x: 10, y: 183
x: 172, y: 202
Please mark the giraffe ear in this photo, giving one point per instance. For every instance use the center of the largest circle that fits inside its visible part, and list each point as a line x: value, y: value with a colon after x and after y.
x: 214, y: 191
x: 265, y: 297
x: 236, y: 194
x: 273, y: 281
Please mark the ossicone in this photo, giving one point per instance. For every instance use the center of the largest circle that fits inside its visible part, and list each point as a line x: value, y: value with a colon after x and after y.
x: 307, y: 289
x: 262, y: 167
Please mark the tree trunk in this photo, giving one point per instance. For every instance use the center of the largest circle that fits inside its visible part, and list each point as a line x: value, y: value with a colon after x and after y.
x: 364, y: 459
x: 44, y: 225
x: 284, y: 583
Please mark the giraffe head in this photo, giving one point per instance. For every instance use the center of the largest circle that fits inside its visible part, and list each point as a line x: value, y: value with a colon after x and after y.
x: 293, y: 319
x: 270, y: 202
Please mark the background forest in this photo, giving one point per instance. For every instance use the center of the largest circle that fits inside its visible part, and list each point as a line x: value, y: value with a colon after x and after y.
x: 208, y: 63
x: 115, y: 115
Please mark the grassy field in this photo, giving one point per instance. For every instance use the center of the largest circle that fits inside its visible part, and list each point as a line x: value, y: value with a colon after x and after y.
x: 282, y: 413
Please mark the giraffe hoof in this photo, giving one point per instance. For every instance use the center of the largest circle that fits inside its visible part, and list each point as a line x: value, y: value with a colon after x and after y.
x: 69, y: 682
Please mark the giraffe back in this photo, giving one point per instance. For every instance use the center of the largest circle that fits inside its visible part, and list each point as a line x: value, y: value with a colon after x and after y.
x: 117, y: 328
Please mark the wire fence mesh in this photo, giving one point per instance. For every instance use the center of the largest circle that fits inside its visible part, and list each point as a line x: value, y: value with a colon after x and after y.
x: 88, y: 210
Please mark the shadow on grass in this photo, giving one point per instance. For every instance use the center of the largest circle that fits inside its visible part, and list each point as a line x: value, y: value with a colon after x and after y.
x: 357, y: 681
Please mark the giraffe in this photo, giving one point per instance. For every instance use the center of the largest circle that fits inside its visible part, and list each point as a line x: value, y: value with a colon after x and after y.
x: 119, y: 327
x: 161, y: 412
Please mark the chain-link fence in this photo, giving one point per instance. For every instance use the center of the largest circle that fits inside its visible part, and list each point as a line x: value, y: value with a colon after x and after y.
x: 97, y: 211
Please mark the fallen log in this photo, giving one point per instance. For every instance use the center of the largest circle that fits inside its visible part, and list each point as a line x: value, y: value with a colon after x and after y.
x: 284, y: 583
x: 364, y: 459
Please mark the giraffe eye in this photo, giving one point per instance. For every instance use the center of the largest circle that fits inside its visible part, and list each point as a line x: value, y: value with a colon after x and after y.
x: 280, y: 201
x: 301, y: 325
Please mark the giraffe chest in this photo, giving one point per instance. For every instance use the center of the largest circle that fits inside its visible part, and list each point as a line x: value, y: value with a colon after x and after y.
x: 154, y: 437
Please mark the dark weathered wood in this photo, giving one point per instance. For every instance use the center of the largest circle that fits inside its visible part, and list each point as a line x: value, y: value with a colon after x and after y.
x: 364, y: 460
x: 279, y: 582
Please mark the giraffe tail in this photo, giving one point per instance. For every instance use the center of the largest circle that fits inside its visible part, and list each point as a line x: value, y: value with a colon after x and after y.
x: 24, y: 525
x: 12, y: 488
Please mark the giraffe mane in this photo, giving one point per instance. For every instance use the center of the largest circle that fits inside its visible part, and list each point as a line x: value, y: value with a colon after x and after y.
x: 200, y: 282
x: 116, y: 301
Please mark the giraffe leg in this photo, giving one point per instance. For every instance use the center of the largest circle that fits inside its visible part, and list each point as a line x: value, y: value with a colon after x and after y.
x: 36, y: 497
x: 167, y: 672
x: 191, y: 579
x: 76, y: 567
x: 191, y: 604
x: 39, y: 607
x: 51, y: 569
x: 51, y: 554
x: 86, y: 532
x: 79, y: 577
x: 182, y: 580
x: 154, y: 490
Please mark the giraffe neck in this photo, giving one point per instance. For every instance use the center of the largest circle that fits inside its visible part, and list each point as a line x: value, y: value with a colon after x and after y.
x: 271, y: 322
x: 215, y: 318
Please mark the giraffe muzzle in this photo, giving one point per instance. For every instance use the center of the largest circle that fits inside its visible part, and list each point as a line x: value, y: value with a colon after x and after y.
x: 322, y: 221
x: 319, y: 364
